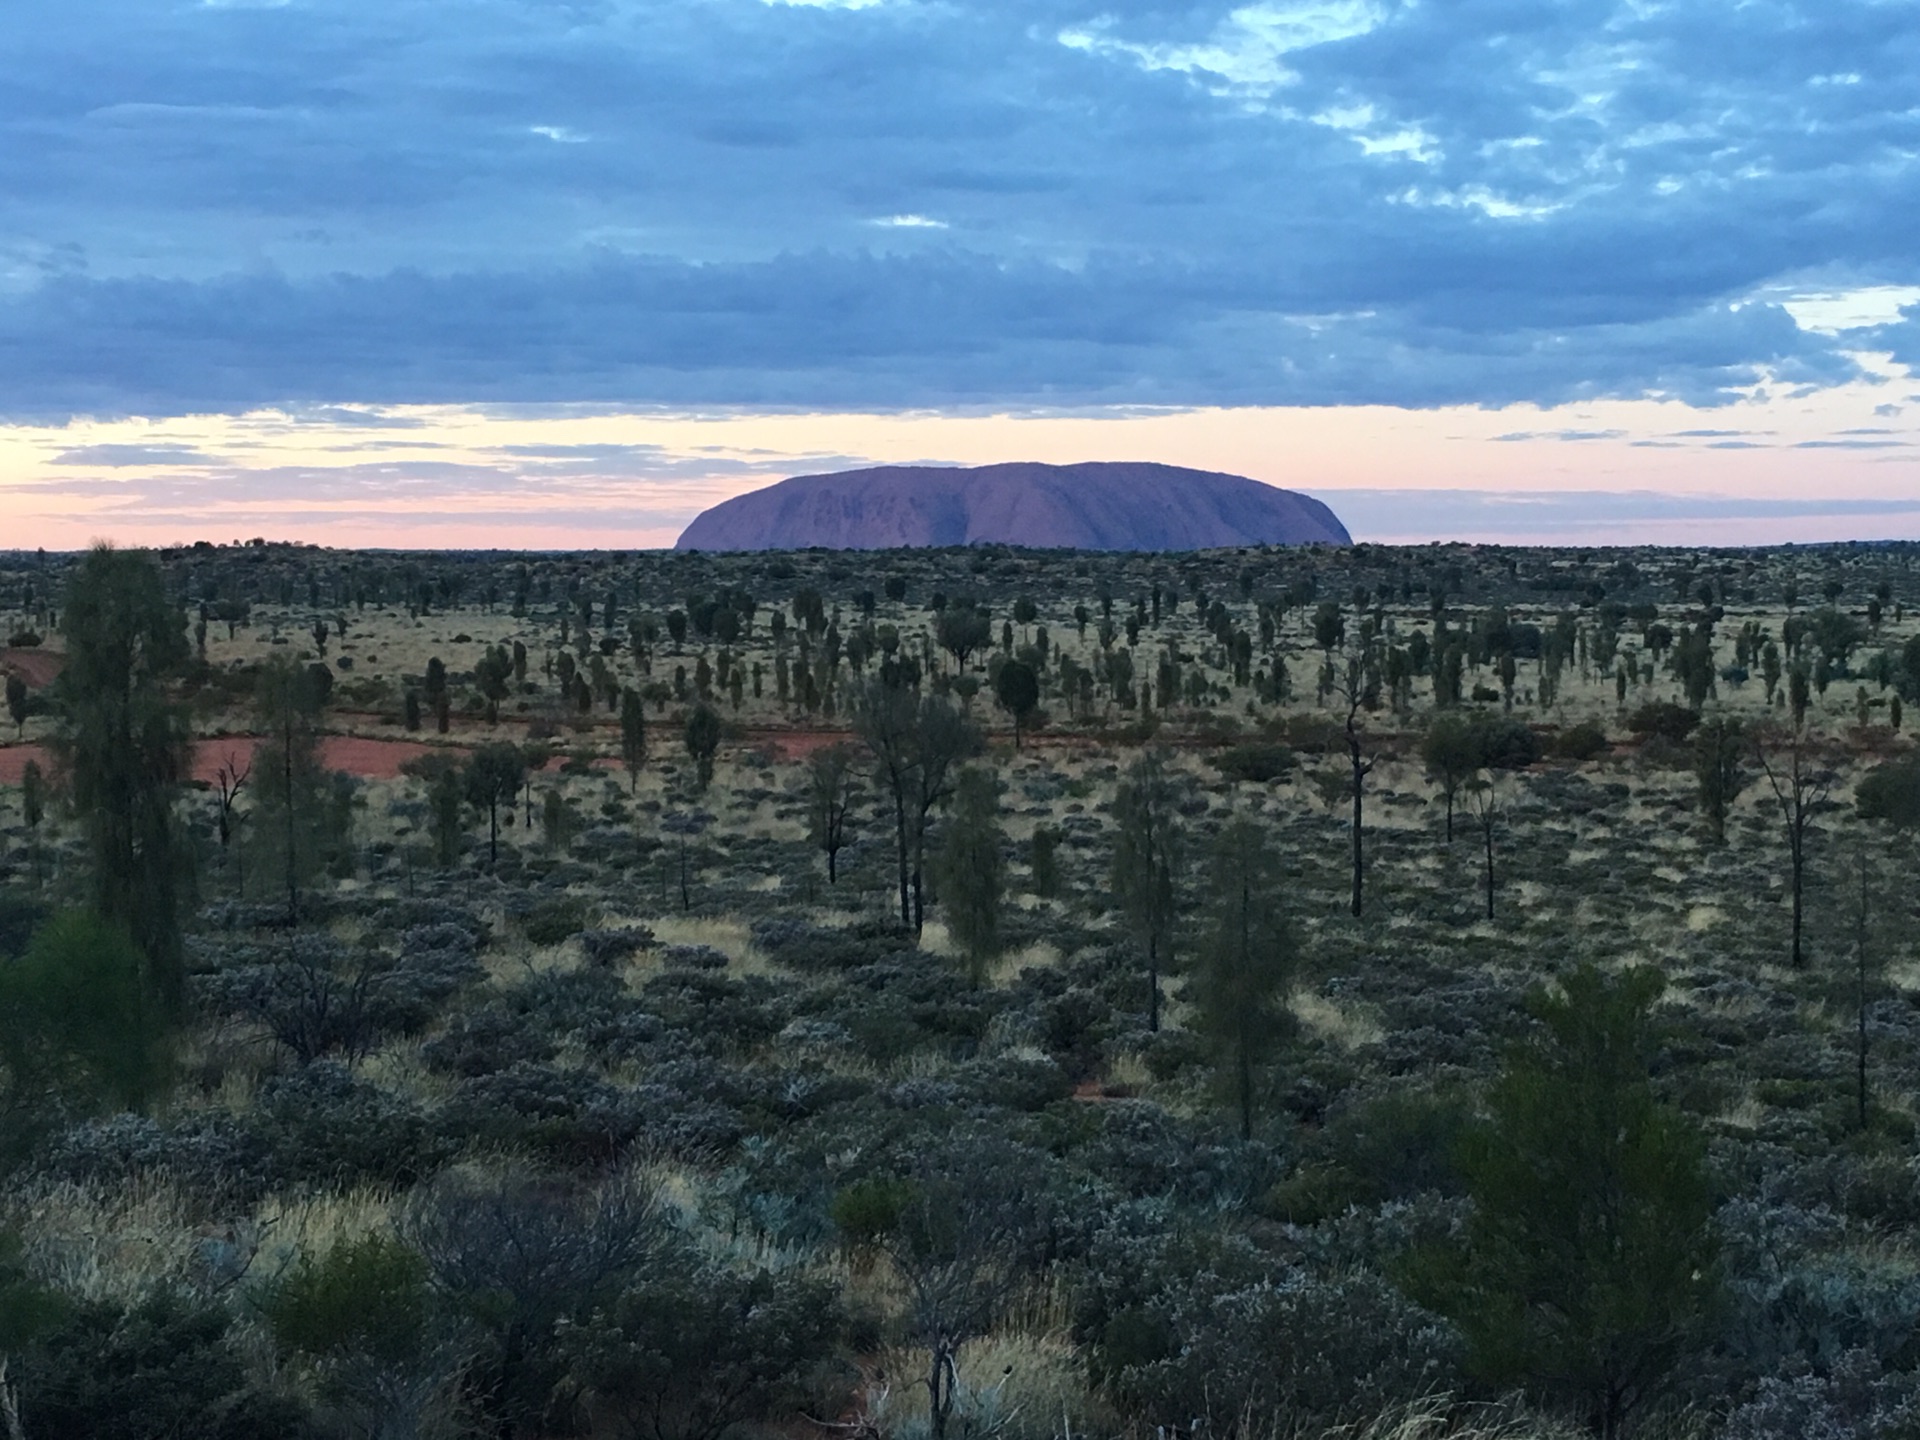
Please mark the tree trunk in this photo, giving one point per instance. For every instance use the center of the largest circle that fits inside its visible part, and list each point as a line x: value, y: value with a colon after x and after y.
x: 1359, y: 858
x: 1489, y: 838
x: 286, y: 799
x: 900, y: 838
x: 1153, y: 981
x: 1796, y: 850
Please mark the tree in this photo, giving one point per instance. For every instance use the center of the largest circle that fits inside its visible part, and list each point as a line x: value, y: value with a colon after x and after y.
x: 961, y: 630
x: 971, y: 869
x: 1245, y: 960
x: 556, y: 821
x: 1043, y: 860
x: 1718, y: 748
x: 1890, y: 792
x: 33, y: 809
x: 493, y: 673
x: 1146, y: 863
x: 916, y: 741
x: 1587, y: 1266
x: 1484, y: 803
x: 294, y: 826
x: 831, y: 795
x: 492, y: 778
x: 18, y: 705
x: 1800, y: 788
x: 123, y: 744
x: 445, y: 799
x: 1451, y: 754
x: 1360, y: 691
x: 1016, y: 685
x: 633, y: 735
x: 702, y: 739
x: 78, y: 1026
x: 229, y: 779
x: 956, y: 1228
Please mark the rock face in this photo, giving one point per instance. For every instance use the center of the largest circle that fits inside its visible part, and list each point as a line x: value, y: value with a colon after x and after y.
x: 1083, y: 507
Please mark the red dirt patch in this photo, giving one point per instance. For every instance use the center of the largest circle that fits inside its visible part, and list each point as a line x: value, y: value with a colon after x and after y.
x: 37, y: 667
x: 369, y: 759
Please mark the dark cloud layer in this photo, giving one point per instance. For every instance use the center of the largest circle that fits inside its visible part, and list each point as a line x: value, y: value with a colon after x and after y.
x: 911, y: 203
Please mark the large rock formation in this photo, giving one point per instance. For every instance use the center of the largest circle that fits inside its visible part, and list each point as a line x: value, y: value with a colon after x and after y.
x: 1083, y: 507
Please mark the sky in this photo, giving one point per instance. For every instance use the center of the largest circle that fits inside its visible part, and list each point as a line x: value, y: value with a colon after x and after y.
x: 563, y: 272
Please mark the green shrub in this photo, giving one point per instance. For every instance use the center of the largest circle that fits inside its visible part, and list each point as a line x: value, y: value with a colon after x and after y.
x: 1664, y: 719
x: 868, y: 1209
x: 1581, y: 742
x: 77, y: 1027
x: 161, y: 1368
x: 26, y: 1307
x: 366, y: 1295
x: 555, y: 921
x: 1256, y: 761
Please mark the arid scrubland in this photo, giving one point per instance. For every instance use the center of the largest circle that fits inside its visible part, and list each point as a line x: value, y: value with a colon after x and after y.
x: 518, y: 1082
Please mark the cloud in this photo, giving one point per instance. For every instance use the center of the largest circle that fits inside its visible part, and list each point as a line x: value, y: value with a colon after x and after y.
x: 902, y: 204
x: 1565, y: 517
x: 119, y: 456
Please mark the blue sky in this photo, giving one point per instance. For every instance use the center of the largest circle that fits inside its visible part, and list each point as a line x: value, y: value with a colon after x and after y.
x: 556, y: 209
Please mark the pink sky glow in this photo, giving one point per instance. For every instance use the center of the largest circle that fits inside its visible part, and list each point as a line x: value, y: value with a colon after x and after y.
x: 1838, y: 464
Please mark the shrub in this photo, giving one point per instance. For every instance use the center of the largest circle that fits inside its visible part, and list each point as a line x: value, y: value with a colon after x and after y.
x: 1580, y: 742
x: 320, y: 1125
x: 869, y: 1208
x: 693, y: 1350
x: 365, y: 1295
x: 1256, y: 761
x: 554, y: 921
x: 160, y: 1368
x: 1664, y: 719
x: 606, y: 947
x: 516, y: 1255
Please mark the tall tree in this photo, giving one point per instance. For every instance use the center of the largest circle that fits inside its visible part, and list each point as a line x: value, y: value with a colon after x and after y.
x: 123, y: 743
x: 1451, y: 753
x: 972, y: 870
x: 703, y: 739
x: 633, y: 735
x: 18, y: 704
x: 1719, y: 748
x: 33, y: 809
x: 1245, y: 960
x: 1016, y: 685
x: 294, y: 825
x: 917, y: 741
x: 1358, y: 691
x: 962, y: 629
x: 493, y: 673
x: 1146, y: 863
x: 831, y: 796
x: 492, y: 778
x: 1800, y: 786
x: 1587, y: 1266
x: 1483, y: 802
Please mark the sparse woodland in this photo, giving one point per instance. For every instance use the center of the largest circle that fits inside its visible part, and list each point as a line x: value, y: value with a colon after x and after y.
x: 961, y: 994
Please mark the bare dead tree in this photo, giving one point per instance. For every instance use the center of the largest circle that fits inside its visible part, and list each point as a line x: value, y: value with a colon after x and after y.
x: 228, y: 781
x: 1359, y: 692
x: 1800, y: 787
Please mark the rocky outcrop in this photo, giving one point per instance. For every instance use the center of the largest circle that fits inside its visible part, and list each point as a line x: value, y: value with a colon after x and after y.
x: 1098, y: 506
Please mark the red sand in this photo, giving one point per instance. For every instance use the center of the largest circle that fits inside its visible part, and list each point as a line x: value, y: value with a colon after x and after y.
x: 369, y: 759
x: 37, y: 667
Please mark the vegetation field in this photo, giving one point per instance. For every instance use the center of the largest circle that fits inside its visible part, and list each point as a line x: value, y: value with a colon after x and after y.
x: 985, y: 993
